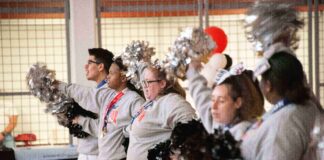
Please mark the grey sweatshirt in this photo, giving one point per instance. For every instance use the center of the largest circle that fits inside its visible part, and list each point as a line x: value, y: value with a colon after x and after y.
x: 284, y: 135
x: 110, y: 146
x: 83, y: 96
x: 155, y: 124
x: 201, y: 95
x: 90, y: 143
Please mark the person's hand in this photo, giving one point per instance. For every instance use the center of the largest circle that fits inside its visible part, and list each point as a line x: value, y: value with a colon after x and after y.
x: 194, y: 67
x: 75, y: 120
x: 195, y: 64
x: 1, y: 137
x: 56, y: 83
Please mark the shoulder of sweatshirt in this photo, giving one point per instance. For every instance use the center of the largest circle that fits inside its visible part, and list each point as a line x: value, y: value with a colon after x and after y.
x: 172, y: 98
x: 134, y: 99
x: 299, y: 117
x: 104, y: 95
x: 105, y: 91
x: 298, y: 112
x: 175, y: 101
x: 133, y: 94
x: 241, y: 126
x: 239, y: 129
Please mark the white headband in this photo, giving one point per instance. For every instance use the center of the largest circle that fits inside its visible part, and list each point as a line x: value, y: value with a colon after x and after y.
x: 263, y: 64
x: 223, y: 74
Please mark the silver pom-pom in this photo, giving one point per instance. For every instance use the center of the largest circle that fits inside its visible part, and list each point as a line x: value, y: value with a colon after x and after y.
x: 58, y: 107
x: 268, y: 23
x: 135, y: 56
x: 40, y: 83
x: 192, y: 43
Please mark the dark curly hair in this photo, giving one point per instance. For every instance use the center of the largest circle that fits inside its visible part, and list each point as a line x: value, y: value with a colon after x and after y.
x: 119, y: 62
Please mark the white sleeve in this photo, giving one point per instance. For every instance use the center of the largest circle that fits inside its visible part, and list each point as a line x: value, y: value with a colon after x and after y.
x: 89, y: 125
x: 181, y: 111
x: 201, y: 95
x: 86, y: 97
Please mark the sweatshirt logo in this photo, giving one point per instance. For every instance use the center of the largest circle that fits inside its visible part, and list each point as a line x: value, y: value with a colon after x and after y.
x: 113, y: 116
x: 141, y: 116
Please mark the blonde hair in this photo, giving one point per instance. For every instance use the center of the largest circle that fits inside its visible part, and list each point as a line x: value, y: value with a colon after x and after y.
x: 171, y: 87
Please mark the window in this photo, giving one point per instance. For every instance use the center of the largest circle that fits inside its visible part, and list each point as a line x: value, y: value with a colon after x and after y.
x: 30, y: 32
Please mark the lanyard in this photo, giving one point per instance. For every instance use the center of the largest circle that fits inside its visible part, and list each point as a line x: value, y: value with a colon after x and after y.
x: 150, y: 103
x: 278, y: 106
x: 103, y: 82
x: 230, y: 125
x: 110, y: 106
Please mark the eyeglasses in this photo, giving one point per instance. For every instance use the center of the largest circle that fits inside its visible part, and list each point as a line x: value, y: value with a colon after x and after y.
x: 145, y: 83
x: 91, y: 61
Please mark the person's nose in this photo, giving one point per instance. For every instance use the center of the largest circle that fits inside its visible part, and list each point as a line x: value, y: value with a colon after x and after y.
x: 215, y: 105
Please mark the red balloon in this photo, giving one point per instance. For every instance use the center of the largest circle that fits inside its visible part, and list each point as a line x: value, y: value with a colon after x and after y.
x: 219, y: 37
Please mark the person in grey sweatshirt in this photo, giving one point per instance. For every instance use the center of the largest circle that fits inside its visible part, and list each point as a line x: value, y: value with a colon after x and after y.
x: 118, y: 113
x: 283, y: 133
x: 233, y: 103
x: 99, y: 61
x: 164, y: 107
x: 117, y: 105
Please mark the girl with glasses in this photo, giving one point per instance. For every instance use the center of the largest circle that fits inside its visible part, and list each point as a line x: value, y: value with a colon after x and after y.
x: 153, y: 123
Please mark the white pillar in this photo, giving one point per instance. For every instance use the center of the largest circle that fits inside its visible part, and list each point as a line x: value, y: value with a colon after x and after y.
x: 82, y: 37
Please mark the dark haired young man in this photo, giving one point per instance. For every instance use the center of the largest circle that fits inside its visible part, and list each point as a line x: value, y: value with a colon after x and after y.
x: 96, y: 68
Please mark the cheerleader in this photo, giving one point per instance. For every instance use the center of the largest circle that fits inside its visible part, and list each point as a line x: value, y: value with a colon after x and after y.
x: 283, y: 133
x: 97, y: 67
x: 153, y: 123
x: 233, y: 103
x: 116, y: 111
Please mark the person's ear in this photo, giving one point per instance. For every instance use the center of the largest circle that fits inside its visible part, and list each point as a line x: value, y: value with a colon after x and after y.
x: 163, y: 84
x: 123, y: 78
x: 238, y: 102
x: 101, y: 67
x: 267, y: 86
